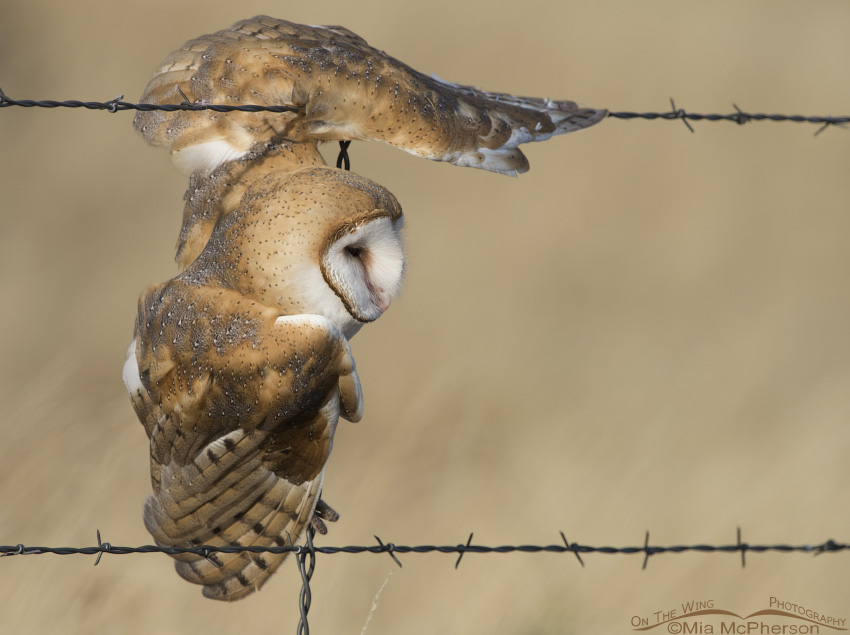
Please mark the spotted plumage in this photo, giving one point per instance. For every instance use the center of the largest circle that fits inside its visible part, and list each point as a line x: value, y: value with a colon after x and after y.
x: 241, y: 367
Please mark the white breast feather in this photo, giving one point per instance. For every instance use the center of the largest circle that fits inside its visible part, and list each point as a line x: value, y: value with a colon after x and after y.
x: 203, y: 158
x: 131, y: 372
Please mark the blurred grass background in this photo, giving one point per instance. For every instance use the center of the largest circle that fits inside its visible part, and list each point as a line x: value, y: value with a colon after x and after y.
x: 647, y: 331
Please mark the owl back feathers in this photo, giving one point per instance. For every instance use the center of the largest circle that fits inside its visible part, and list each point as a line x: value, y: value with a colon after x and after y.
x: 240, y: 407
x: 344, y: 89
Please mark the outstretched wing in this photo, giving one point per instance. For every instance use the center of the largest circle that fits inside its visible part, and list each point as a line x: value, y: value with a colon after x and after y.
x: 344, y: 89
x: 240, y: 406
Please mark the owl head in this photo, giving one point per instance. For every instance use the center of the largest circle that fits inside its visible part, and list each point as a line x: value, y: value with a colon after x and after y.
x: 319, y: 240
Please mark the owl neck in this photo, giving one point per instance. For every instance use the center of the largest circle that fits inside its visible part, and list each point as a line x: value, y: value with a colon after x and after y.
x: 213, y: 196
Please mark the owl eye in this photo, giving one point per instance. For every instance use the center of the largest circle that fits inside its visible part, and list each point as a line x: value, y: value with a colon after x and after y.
x: 354, y: 250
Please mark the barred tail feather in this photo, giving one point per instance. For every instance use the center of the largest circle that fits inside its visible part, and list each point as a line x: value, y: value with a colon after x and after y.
x: 237, y: 502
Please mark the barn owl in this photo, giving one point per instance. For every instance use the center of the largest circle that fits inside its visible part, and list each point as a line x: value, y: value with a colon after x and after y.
x: 344, y: 90
x: 241, y: 367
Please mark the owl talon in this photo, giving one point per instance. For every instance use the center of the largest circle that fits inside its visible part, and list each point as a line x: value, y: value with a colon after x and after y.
x: 319, y: 525
x: 325, y: 512
x: 322, y: 513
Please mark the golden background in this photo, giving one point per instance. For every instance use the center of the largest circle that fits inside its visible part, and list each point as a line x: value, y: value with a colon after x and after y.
x: 647, y: 331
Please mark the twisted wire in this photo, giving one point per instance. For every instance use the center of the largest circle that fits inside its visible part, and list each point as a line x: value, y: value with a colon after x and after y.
x: 117, y: 104
x: 306, y: 565
x: 739, y: 117
x: 828, y: 546
x: 305, y: 555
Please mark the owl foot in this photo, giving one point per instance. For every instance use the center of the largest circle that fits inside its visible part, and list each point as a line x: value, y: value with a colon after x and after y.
x: 323, y: 512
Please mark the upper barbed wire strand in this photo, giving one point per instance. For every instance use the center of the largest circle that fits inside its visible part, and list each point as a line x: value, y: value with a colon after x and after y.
x: 117, y: 104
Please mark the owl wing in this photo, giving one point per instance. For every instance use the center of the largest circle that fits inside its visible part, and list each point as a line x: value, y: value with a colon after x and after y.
x: 344, y: 89
x: 240, y: 406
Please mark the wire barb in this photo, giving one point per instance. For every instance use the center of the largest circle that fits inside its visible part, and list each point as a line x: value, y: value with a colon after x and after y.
x: 680, y: 114
x: 742, y: 116
x: 389, y: 548
x: 573, y: 548
x: 113, y: 104
x: 206, y: 554
x: 829, y: 545
x: 743, y: 547
x: 831, y: 121
x: 646, y: 548
x: 185, y: 101
x: 103, y: 547
x: 462, y: 550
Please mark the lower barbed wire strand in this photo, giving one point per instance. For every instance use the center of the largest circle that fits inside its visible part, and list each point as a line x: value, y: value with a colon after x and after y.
x: 829, y: 546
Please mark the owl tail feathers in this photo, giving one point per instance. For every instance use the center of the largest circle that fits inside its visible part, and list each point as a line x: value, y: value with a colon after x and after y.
x: 275, y: 519
x: 237, y: 512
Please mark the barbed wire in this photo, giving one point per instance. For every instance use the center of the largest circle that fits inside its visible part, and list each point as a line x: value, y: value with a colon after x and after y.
x: 305, y: 555
x: 116, y: 105
x: 739, y: 117
x: 392, y: 549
